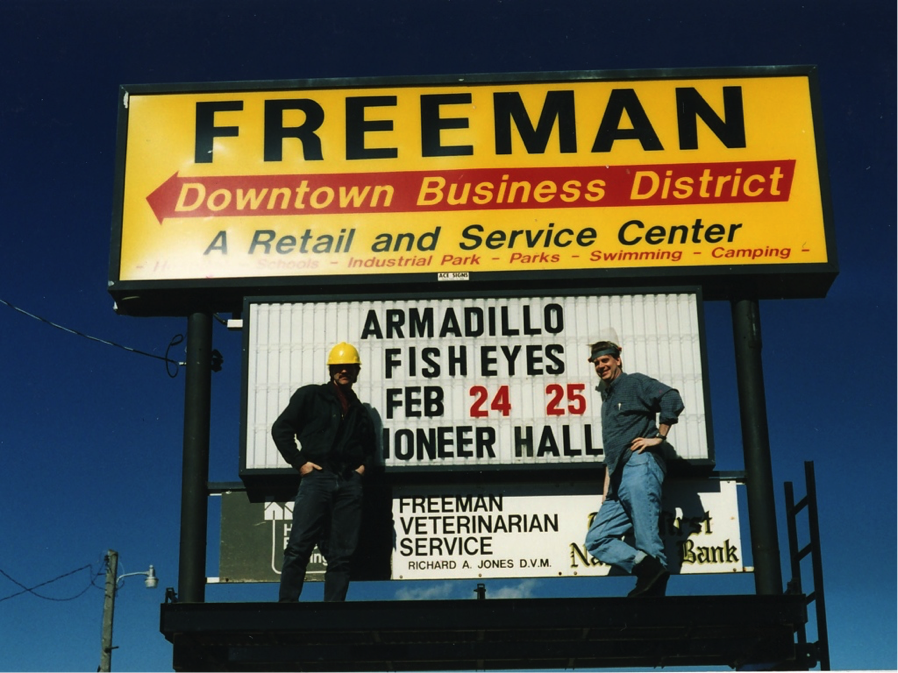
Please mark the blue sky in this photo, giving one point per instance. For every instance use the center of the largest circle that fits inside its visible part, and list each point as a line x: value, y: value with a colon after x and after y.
x: 91, y: 434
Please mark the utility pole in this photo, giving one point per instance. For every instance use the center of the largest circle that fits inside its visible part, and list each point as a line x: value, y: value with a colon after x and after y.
x: 108, y: 610
x: 112, y: 580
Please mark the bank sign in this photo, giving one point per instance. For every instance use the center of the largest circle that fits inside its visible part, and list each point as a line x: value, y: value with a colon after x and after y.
x: 497, y: 381
x: 491, y: 531
x: 691, y: 173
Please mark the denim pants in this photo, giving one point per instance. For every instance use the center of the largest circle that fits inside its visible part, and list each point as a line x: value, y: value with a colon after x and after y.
x: 635, y: 505
x: 327, y: 511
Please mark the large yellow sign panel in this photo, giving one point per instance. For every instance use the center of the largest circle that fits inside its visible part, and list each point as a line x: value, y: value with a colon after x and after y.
x: 561, y: 175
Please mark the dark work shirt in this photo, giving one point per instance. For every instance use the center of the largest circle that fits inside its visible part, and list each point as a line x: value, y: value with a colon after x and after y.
x: 630, y: 406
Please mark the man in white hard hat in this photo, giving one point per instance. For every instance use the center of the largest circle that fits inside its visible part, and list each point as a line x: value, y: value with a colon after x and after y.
x: 336, y: 441
x: 634, y: 469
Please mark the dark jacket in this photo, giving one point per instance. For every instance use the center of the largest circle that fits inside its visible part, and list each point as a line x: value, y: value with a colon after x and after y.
x: 326, y: 438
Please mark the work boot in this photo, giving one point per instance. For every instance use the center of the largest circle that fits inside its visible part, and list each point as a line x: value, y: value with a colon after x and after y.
x: 650, y: 575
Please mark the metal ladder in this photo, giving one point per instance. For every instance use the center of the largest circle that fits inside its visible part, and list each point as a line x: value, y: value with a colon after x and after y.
x: 817, y: 652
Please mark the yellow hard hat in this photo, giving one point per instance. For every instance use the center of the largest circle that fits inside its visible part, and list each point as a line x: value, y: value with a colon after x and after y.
x: 343, y: 354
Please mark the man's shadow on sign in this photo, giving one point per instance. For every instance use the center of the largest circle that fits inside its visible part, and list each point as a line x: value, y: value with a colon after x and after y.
x: 371, y: 561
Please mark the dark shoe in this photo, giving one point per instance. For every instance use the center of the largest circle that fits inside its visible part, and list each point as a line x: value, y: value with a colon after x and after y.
x: 649, y: 575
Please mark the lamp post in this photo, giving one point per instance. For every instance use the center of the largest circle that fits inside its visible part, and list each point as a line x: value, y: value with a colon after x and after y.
x: 112, y: 582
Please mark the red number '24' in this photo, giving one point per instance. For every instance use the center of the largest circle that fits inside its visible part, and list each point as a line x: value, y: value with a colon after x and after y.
x: 500, y: 402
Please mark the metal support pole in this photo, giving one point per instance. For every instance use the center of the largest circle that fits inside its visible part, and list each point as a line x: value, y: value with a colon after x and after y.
x: 195, y: 471
x: 108, y: 611
x: 756, y: 447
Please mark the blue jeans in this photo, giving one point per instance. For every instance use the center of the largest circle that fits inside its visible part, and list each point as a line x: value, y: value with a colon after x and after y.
x: 327, y: 512
x: 634, y: 505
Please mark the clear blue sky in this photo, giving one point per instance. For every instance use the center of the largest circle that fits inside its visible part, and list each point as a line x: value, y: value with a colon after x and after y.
x: 91, y: 435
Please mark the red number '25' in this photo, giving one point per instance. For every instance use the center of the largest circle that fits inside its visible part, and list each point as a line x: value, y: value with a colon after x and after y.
x: 576, y: 402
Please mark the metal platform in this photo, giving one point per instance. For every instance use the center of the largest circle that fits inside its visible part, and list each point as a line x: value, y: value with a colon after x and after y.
x: 558, y: 633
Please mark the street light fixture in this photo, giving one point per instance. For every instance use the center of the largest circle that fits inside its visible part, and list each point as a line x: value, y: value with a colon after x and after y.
x: 112, y: 583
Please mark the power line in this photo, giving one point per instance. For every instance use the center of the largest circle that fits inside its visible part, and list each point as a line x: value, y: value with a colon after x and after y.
x: 177, y: 339
x: 31, y: 590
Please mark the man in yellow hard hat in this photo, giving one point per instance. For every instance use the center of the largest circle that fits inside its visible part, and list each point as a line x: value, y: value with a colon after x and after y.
x: 336, y: 442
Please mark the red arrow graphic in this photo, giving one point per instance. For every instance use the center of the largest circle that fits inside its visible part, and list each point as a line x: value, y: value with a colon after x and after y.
x: 165, y: 194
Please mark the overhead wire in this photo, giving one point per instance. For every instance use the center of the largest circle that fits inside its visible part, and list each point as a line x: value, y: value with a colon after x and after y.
x: 177, y: 339
x: 31, y: 590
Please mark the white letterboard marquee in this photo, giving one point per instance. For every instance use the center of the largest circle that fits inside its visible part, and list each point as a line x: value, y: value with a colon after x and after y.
x: 475, y: 382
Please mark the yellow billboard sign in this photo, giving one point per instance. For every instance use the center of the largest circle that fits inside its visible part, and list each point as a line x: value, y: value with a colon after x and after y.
x: 557, y: 174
